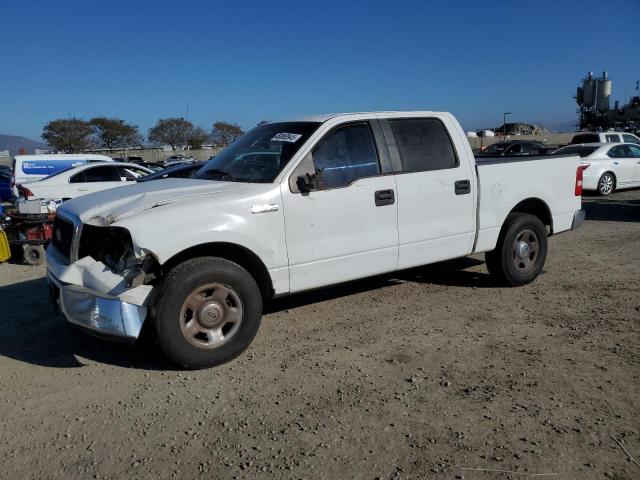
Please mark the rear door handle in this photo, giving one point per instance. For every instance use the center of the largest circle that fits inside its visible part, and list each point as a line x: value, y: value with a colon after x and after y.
x: 463, y: 187
x: 82, y: 189
x: 384, y: 197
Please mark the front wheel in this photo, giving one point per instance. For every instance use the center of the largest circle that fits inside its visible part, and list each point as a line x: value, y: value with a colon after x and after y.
x: 521, y: 250
x: 206, y: 312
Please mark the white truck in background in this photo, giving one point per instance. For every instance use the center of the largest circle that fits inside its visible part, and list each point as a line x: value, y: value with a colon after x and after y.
x: 294, y: 206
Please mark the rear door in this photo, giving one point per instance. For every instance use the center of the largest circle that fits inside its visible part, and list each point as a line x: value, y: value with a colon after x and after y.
x: 345, y: 227
x: 436, y: 209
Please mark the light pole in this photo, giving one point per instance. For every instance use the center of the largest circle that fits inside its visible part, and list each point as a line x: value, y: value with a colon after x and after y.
x: 504, y: 123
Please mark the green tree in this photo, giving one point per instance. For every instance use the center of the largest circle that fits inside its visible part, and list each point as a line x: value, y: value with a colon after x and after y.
x: 68, y: 134
x: 224, y: 133
x: 113, y: 133
x: 197, y: 138
x: 174, y: 132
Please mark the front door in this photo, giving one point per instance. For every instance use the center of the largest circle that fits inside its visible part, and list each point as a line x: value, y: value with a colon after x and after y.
x: 436, y: 201
x: 343, y: 225
x: 635, y: 152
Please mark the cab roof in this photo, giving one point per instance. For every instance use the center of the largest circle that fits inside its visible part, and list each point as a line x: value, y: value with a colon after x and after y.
x: 321, y: 118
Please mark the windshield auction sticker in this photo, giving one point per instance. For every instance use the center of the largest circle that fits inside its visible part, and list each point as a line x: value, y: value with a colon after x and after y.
x: 286, y: 137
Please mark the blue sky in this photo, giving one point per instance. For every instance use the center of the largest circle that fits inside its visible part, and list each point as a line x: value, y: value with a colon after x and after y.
x: 244, y: 61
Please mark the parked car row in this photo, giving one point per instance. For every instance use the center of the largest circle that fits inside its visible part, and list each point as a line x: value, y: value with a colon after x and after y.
x: 67, y: 176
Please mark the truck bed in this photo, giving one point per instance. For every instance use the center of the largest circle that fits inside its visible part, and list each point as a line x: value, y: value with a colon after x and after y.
x: 503, y: 182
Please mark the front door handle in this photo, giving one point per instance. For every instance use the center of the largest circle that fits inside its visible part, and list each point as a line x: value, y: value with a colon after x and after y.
x: 384, y: 197
x: 82, y: 189
x: 463, y: 187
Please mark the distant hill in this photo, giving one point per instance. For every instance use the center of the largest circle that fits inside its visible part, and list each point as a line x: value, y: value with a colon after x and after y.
x: 14, y: 143
x: 568, y: 126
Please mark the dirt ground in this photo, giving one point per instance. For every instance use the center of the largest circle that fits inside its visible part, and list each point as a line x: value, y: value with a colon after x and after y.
x: 433, y: 373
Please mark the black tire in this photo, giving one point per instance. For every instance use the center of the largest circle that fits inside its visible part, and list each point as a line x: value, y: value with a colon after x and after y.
x: 34, y: 254
x: 606, y: 184
x: 170, y: 301
x: 511, y: 262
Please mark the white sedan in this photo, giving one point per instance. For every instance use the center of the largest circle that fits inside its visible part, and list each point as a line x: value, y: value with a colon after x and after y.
x: 83, y: 179
x: 611, y: 166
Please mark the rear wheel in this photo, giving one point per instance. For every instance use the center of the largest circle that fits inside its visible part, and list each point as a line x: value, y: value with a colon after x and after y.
x: 206, y: 312
x: 521, y: 250
x: 34, y: 254
x: 606, y: 184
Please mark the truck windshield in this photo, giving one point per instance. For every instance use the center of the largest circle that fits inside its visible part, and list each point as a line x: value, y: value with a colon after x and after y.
x: 259, y: 155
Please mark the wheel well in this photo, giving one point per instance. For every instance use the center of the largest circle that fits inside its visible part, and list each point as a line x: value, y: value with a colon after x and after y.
x: 230, y: 251
x: 538, y: 208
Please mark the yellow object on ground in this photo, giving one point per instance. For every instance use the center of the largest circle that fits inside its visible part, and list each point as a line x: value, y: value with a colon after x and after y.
x: 5, y: 251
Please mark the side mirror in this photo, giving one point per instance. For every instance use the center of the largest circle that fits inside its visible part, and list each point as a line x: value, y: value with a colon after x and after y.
x: 306, y: 183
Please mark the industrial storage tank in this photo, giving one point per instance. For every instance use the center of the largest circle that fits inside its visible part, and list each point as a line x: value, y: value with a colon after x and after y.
x: 589, y: 91
x: 603, y: 93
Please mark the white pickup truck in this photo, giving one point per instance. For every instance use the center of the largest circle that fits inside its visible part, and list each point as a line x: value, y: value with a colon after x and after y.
x: 294, y: 206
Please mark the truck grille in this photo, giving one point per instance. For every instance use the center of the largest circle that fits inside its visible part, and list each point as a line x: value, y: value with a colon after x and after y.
x: 62, y: 237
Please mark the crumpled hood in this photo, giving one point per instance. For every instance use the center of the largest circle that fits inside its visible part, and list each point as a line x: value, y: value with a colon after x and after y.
x: 107, y: 206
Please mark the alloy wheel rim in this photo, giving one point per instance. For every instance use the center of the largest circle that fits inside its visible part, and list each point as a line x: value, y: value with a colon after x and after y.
x: 210, y: 315
x: 606, y: 184
x: 526, y: 249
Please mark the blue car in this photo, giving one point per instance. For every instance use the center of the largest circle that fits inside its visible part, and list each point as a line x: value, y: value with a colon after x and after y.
x: 5, y: 185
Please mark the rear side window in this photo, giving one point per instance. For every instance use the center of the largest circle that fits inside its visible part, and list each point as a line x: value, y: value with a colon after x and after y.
x: 97, y: 174
x: 586, y: 138
x: 576, y: 150
x: 423, y: 144
x: 345, y: 155
x: 630, y: 139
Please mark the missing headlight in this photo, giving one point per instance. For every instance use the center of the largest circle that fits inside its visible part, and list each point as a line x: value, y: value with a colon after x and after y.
x: 109, y: 245
x: 113, y: 247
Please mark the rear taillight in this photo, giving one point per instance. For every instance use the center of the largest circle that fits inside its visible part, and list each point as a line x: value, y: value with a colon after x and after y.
x: 579, y: 177
x: 24, y: 192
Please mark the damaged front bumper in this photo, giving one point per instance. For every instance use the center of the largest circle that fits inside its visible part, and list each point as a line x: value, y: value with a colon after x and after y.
x: 92, y: 297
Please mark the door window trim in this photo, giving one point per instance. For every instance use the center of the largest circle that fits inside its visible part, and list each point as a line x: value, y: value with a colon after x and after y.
x: 295, y: 174
x: 396, y: 159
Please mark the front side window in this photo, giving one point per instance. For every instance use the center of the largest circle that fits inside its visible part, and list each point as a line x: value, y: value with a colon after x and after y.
x: 345, y: 155
x: 635, y: 151
x: 495, y: 148
x: 515, y: 149
x: 423, y: 144
x: 621, y: 151
x: 259, y: 155
x: 630, y: 139
x: 612, y: 138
